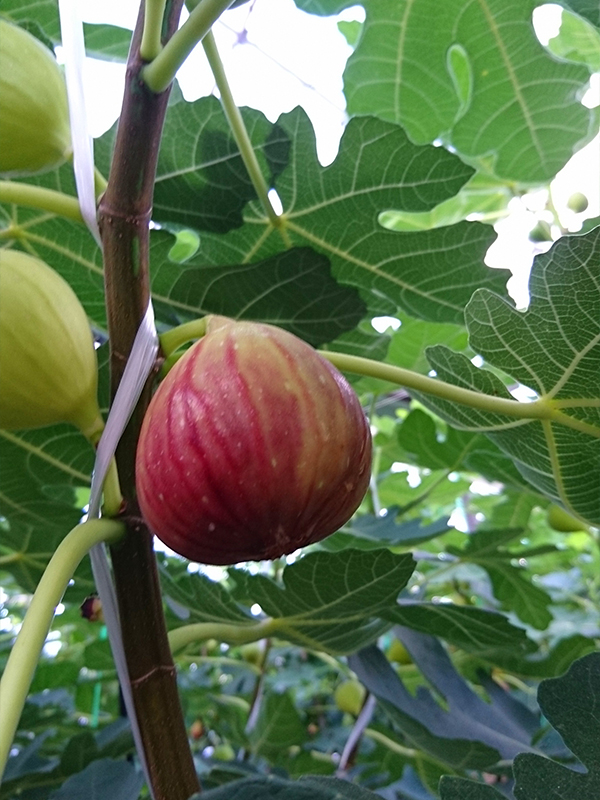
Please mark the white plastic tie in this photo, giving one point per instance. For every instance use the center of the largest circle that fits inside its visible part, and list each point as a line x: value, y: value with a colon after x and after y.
x: 71, y: 27
x: 138, y: 367
x: 140, y: 362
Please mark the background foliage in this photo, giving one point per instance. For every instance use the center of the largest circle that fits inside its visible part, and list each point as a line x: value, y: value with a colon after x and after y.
x: 451, y: 553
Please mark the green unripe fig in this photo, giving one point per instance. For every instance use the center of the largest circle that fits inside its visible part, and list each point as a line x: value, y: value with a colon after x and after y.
x: 542, y: 232
x: 252, y: 653
x: 577, y: 202
x: 398, y: 653
x: 34, y: 112
x: 48, y: 363
x: 349, y: 696
x: 561, y: 520
x: 224, y: 752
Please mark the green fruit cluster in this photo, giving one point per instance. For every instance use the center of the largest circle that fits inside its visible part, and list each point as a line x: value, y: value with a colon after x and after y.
x: 47, y: 357
x: 34, y: 112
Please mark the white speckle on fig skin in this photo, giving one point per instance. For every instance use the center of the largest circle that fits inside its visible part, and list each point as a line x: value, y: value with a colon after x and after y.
x: 276, y: 448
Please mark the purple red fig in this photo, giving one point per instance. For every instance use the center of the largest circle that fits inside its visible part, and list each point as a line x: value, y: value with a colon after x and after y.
x: 253, y: 446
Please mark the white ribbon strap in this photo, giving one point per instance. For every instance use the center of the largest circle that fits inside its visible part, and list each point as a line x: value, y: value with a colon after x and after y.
x: 137, y: 369
x: 73, y: 43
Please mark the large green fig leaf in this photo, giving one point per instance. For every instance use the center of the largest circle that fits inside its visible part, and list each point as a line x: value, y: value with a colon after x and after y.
x: 554, y: 349
x: 570, y: 705
x: 430, y: 274
x: 292, y: 289
x: 271, y: 787
x: 478, y: 79
x: 326, y: 601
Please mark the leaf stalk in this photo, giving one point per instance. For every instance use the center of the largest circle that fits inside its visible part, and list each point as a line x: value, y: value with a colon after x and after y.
x: 159, y: 74
x: 240, y: 134
x: 26, y: 651
x: 25, y: 194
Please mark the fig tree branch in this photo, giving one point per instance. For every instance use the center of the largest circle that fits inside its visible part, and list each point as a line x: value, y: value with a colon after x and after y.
x: 124, y: 215
x: 25, y: 653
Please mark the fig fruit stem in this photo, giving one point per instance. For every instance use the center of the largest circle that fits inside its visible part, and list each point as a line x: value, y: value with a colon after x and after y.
x: 25, y: 194
x: 240, y: 133
x: 171, y: 340
x: 222, y: 632
x: 26, y: 651
x: 151, y: 44
x: 159, y: 74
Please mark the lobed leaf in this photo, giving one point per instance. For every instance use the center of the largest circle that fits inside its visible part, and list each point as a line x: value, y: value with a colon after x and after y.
x: 554, y: 349
x: 479, y: 79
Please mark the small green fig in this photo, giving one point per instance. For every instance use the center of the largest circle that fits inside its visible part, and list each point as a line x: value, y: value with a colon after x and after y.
x: 561, y: 520
x: 577, y: 202
x: 253, y: 446
x: 541, y: 232
x: 398, y: 653
x: 34, y: 112
x: 349, y: 696
x: 48, y: 363
x: 224, y: 752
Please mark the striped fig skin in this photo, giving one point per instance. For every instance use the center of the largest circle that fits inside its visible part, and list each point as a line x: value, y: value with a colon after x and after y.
x: 253, y: 446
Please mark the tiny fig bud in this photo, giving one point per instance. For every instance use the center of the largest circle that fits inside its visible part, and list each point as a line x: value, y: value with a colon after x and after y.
x: 541, y: 232
x: 349, y: 696
x: 398, y: 653
x: 224, y: 752
x: 577, y: 202
x: 253, y: 446
x: 91, y: 609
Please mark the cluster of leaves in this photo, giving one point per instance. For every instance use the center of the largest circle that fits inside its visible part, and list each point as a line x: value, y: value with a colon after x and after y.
x: 451, y: 552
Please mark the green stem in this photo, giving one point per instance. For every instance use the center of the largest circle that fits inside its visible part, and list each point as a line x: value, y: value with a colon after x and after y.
x: 399, y: 749
x: 232, y: 634
x: 25, y: 653
x: 111, y: 488
x: 240, y: 134
x: 540, y: 409
x: 100, y: 182
x: 159, y: 73
x: 171, y: 340
x: 151, y: 43
x: 24, y: 194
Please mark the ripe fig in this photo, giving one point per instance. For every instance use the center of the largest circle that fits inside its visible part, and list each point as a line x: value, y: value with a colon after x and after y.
x: 47, y: 358
x: 34, y: 113
x: 253, y: 446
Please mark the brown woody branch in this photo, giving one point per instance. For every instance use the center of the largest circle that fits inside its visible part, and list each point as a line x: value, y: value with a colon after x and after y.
x: 124, y: 216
